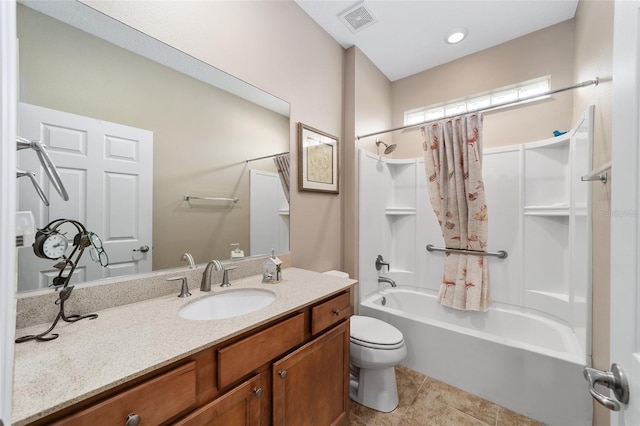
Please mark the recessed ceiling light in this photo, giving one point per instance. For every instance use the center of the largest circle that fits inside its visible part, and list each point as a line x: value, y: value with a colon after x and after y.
x: 455, y: 36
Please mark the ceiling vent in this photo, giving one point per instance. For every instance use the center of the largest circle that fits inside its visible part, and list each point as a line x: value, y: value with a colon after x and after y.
x: 357, y: 17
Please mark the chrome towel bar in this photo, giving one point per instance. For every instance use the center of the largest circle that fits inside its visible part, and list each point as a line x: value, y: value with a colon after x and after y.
x: 598, y: 174
x: 193, y: 197
x: 502, y: 254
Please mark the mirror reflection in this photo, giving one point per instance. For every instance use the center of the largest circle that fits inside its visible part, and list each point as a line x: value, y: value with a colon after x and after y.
x: 131, y: 139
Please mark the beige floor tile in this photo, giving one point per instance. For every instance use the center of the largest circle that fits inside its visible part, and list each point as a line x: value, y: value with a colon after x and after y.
x: 440, y: 414
x: 511, y: 418
x: 467, y: 403
x: 372, y: 417
x: 409, y: 383
x: 429, y: 402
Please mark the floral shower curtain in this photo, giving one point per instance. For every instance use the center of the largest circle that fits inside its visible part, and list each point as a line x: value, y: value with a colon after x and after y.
x: 282, y: 164
x: 453, y: 163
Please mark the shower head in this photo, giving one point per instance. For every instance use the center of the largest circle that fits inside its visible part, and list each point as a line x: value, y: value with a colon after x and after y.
x: 388, y: 148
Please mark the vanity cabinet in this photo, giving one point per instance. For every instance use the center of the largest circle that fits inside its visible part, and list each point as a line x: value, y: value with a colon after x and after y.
x: 176, y: 389
x: 291, y: 371
x: 310, y: 385
x: 240, y: 406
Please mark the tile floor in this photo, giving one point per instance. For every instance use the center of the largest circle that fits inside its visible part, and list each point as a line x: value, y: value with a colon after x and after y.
x: 426, y: 401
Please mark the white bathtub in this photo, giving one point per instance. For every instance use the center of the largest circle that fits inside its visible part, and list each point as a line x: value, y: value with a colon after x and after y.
x: 524, y: 362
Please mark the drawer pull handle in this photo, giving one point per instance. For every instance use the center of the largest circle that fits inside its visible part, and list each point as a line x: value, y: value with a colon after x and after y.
x: 336, y: 312
x: 282, y: 374
x: 257, y: 392
x: 133, y: 420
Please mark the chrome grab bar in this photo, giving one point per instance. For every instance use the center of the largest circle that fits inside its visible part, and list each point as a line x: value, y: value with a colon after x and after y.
x: 502, y: 254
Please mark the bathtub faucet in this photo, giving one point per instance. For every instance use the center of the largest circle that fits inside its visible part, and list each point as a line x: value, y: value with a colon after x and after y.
x: 387, y: 280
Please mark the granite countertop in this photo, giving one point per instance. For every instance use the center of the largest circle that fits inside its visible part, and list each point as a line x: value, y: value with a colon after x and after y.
x: 128, y: 341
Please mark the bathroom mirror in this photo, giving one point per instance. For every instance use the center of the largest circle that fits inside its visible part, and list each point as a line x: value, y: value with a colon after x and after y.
x: 204, y: 125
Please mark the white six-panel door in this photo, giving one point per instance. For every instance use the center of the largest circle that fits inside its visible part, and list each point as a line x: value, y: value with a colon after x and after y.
x: 625, y: 206
x: 107, y: 170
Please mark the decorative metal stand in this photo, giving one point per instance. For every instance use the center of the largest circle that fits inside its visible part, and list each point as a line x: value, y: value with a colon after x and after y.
x: 61, y: 282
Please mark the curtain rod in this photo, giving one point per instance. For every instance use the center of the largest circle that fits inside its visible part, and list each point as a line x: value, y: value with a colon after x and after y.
x: 266, y: 156
x: 527, y: 98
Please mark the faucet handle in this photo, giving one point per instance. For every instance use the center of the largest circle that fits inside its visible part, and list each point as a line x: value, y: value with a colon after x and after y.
x: 380, y: 262
x: 184, y: 292
x: 225, y: 276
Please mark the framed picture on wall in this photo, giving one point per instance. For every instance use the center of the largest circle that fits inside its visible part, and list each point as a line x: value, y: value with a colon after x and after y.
x: 317, y: 160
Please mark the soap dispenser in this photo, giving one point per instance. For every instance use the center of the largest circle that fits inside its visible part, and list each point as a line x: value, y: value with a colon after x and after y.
x: 237, y: 253
x: 271, y: 270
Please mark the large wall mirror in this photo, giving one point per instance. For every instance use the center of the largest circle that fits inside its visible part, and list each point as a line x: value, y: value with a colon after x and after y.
x: 158, y: 125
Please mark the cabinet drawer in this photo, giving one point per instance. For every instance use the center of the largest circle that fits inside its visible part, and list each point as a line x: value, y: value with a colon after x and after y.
x: 155, y: 401
x: 240, y: 406
x: 246, y: 355
x: 330, y: 312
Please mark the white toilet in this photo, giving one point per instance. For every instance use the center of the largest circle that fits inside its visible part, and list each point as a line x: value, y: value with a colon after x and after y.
x: 376, y: 348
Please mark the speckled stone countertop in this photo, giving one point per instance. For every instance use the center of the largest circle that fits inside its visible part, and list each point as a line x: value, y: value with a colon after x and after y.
x: 128, y: 341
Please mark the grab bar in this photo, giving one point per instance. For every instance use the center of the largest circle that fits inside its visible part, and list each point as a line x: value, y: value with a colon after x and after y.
x: 502, y: 254
x: 193, y: 197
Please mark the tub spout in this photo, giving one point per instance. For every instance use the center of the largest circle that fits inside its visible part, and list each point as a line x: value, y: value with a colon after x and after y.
x: 387, y: 280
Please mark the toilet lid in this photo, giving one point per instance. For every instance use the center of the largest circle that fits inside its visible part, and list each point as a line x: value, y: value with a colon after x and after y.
x: 372, y: 332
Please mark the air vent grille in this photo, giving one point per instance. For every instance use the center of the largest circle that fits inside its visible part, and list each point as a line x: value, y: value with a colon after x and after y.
x: 357, y: 18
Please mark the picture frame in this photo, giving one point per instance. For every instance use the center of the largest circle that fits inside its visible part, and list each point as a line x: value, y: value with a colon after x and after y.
x: 317, y: 160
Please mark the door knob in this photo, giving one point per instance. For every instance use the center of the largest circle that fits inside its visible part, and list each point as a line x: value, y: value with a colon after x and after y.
x: 615, y: 380
x: 143, y: 249
x: 282, y: 374
x: 257, y: 392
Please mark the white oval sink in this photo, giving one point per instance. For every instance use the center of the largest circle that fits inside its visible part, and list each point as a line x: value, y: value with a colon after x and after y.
x: 229, y: 304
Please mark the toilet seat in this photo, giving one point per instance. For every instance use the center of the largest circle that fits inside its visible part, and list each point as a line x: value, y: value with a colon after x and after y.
x: 373, y: 333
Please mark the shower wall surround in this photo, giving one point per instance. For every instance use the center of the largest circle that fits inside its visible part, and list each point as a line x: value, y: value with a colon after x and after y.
x: 539, y: 212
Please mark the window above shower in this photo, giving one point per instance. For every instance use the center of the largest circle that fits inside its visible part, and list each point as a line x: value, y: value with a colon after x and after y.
x: 496, y: 97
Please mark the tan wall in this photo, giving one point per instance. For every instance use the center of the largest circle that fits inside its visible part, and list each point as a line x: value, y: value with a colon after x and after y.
x: 277, y: 47
x: 202, y: 135
x: 593, y: 57
x: 545, y: 52
x: 367, y: 109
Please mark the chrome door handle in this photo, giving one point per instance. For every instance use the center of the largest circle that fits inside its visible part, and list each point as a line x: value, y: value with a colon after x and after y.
x: 143, y: 249
x: 615, y: 380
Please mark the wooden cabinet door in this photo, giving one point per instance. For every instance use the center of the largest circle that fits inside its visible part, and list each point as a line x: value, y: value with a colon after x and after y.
x: 311, y: 385
x: 238, y: 407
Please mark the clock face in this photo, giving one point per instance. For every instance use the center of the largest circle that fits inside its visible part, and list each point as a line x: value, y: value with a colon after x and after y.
x: 54, y: 246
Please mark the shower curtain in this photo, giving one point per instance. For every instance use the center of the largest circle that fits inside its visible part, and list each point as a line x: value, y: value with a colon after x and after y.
x: 453, y: 163
x: 282, y: 164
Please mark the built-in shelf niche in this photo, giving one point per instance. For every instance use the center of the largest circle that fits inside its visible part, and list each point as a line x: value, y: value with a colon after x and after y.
x: 547, y: 173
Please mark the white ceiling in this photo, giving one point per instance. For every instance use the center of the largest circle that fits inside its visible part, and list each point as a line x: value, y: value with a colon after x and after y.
x: 408, y: 36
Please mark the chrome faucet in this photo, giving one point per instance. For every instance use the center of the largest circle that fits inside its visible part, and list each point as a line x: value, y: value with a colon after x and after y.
x: 387, y: 280
x: 205, y: 285
x: 188, y: 258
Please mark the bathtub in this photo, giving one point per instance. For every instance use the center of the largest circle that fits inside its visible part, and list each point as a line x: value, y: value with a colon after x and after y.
x: 521, y: 361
